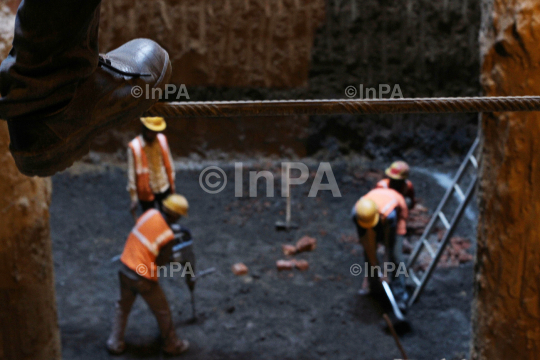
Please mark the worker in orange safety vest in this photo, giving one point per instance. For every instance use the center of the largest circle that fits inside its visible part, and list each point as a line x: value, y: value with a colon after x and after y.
x: 151, y: 172
x: 380, y: 216
x: 398, y: 179
x: 149, y: 245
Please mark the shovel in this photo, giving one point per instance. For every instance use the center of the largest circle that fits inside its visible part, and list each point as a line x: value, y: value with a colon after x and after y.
x: 287, y: 224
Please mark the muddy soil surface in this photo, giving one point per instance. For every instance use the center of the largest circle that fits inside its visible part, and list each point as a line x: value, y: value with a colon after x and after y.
x: 315, y: 314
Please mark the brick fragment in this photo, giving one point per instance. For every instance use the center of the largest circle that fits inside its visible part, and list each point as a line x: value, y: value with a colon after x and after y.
x: 288, y: 249
x: 302, y: 265
x: 306, y: 244
x: 239, y: 269
x: 283, y: 265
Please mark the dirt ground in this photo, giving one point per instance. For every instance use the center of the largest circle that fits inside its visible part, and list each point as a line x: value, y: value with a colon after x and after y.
x: 315, y: 314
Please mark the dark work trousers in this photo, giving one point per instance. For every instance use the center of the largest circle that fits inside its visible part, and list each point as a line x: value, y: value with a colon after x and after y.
x: 55, y: 46
x: 385, y: 232
x: 157, y: 203
x: 152, y: 293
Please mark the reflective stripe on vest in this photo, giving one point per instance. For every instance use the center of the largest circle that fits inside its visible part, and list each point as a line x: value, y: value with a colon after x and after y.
x: 144, y: 243
x: 167, y: 161
x: 142, y: 172
x: 140, y: 166
x: 389, y: 207
x: 385, y: 199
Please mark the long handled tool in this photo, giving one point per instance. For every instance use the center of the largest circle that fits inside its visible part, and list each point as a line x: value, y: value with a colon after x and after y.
x: 395, y: 336
x: 134, y: 215
x: 197, y: 276
x: 390, y: 295
x: 280, y: 225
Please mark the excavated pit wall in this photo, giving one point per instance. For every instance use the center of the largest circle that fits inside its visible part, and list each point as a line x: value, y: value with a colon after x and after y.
x: 29, y: 328
x: 262, y: 49
x: 506, y: 316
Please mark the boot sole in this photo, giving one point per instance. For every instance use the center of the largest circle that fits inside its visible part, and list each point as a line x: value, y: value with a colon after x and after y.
x: 177, y: 353
x: 60, y: 157
x: 115, y: 352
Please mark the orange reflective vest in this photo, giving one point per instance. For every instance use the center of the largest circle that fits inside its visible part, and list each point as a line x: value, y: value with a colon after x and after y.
x: 407, y: 190
x: 142, y: 173
x: 388, y: 200
x: 147, y: 238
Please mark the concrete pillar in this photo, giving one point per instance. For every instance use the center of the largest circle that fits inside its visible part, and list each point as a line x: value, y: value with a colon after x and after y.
x: 28, y: 321
x: 506, y: 312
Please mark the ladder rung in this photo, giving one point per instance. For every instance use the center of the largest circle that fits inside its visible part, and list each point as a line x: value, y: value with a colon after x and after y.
x: 444, y: 220
x: 464, y: 199
x: 473, y: 160
x: 428, y: 248
x: 459, y: 192
x: 414, y: 277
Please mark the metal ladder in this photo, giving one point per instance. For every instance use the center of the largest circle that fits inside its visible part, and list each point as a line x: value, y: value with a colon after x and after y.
x: 419, y: 281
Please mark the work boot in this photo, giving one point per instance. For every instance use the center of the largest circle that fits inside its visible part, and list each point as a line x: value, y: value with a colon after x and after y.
x: 58, y: 93
x: 115, y: 346
x: 365, y: 290
x: 176, y: 347
x: 115, y: 343
x: 43, y: 145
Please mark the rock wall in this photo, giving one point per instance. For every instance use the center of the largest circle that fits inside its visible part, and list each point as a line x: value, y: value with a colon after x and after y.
x: 506, y: 319
x: 247, y: 43
x: 29, y: 329
x: 428, y: 48
x: 262, y: 49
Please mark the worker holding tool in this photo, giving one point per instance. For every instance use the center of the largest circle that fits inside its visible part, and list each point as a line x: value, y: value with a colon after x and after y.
x: 380, y: 217
x: 398, y: 179
x: 183, y: 254
x: 150, y: 166
x: 149, y: 245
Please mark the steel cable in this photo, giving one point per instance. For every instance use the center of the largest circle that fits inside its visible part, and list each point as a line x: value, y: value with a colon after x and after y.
x: 344, y: 106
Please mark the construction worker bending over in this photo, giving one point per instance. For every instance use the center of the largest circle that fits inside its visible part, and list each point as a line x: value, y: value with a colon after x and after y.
x: 149, y: 245
x: 150, y: 166
x: 380, y: 217
x: 398, y: 179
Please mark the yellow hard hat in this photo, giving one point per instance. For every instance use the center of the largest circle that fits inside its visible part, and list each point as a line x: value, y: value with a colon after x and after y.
x: 399, y: 170
x: 154, y: 123
x: 367, y: 213
x: 177, y: 204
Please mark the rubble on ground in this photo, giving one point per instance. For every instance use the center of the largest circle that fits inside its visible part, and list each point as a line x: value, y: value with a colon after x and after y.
x: 239, y: 269
x: 288, y: 250
x: 306, y: 243
x: 285, y: 265
x: 418, y: 220
x: 456, y: 252
x: 301, y: 265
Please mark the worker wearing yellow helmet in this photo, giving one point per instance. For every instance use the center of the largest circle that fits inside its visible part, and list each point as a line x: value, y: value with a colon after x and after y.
x: 398, y: 179
x: 151, y: 174
x: 150, y: 245
x: 380, y: 217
